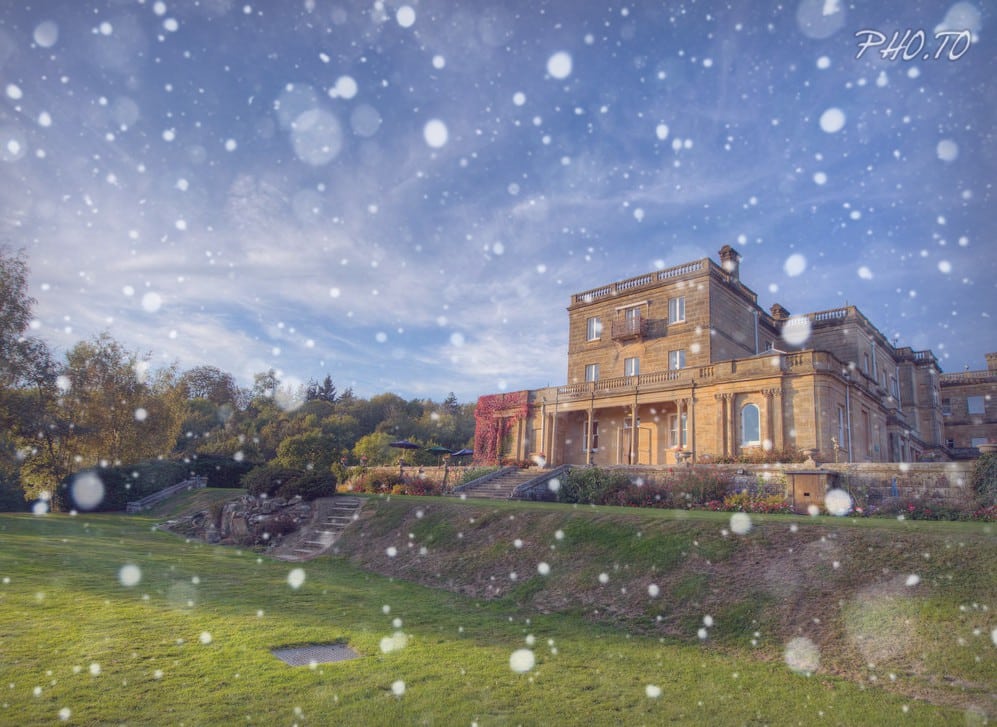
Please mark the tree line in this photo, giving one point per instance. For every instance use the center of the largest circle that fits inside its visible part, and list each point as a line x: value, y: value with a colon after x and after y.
x: 105, y: 406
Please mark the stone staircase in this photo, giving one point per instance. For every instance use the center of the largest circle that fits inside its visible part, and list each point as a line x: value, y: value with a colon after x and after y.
x: 318, y: 537
x: 502, y: 485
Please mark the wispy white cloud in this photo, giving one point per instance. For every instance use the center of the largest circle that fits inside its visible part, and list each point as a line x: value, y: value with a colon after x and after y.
x: 396, y: 265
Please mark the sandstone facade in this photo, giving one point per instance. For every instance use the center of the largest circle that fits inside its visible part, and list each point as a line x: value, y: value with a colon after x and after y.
x: 683, y: 365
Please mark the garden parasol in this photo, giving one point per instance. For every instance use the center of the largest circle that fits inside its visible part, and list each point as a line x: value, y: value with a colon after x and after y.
x: 437, y: 449
x: 403, y: 444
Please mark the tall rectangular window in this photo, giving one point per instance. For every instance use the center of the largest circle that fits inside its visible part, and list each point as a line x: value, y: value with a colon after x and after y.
x: 631, y: 366
x: 676, y: 309
x: 592, y: 372
x: 841, y: 427
x: 975, y: 405
x: 676, y: 359
x: 867, y: 428
x: 593, y: 329
x: 591, y: 440
x: 750, y: 429
x: 946, y: 407
x: 678, y: 432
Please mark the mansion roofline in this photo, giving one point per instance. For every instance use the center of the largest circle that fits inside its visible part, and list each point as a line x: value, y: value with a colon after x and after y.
x: 682, y: 365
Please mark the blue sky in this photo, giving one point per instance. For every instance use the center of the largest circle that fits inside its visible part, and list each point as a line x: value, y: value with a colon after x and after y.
x: 405, y: 195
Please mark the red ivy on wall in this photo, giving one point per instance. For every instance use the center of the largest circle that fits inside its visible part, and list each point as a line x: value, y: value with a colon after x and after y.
x: 493, y: 418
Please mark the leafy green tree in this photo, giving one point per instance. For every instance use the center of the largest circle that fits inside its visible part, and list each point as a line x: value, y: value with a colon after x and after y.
x: 212, y: 384
x: 310, y: 451
x: 202, y: 420
x: 326, y: 391
x: 265, y: 385
x: 267, y: 479
x: 15, y: 315
x: 30, y: 424
x: 106, y: 411
x: 25, y: 362
x: 343, y: 428
x: 450, y: 405
x: 314, y: 411
x: 117, y: 416
x: 376, y: 448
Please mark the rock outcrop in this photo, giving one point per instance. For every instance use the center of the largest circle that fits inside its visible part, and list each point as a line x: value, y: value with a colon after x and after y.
x: 247, y: 521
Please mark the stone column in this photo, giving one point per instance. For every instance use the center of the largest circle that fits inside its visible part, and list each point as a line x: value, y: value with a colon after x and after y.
x: 723, y: 423
x: 552, y: 452
x: 589, y: 437
x: 770, y: 417
x: 679, y: 404
x: 542, y: 444
x: 692, y: 423
x: 731, y: 425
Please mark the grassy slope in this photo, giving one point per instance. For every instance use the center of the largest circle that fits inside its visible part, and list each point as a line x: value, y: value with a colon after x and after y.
x: 192, y: 501
x: 64, y: 609
x: 903, y: 604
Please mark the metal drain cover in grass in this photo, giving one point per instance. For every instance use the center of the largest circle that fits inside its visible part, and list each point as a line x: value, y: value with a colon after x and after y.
x: 314, y: 654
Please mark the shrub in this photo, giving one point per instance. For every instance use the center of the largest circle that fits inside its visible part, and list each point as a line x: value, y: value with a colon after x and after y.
x: 758, y: 455
x: 267, y: 479
x: 926, y: 510
x: 645, y: 495
x: 12, y: 497
x: 421, y: 486
x: 746, y: 502
x: 375, y: 482
x: 592, y: 486
x: 341, y: 472
x: 309, y: 486
x: 984, y: 479
x: 125, y: 483
x: 699, y: 487
x: 986, y: 514
x: 396, y: 485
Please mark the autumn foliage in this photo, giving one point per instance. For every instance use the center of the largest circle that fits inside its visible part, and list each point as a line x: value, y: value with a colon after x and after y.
x: 494, y: 417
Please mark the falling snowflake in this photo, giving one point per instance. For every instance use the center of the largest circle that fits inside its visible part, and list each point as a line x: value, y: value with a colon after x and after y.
x: 522, y: 660
x: 296, y: 578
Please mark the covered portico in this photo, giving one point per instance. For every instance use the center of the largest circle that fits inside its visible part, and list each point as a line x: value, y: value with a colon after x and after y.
x: 671, y: 417
x: 577, y: 425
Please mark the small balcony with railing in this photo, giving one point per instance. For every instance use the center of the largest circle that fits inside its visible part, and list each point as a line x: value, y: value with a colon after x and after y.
x: 633, y: 326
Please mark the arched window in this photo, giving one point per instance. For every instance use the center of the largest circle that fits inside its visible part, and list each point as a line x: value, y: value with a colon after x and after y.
x: 749, y: 425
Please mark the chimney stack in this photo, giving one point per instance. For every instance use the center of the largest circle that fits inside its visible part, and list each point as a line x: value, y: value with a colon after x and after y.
x: 730, y: 261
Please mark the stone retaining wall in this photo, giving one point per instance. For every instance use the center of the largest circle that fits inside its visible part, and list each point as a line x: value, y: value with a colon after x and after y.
x: 946, y: 484
x: 411, y: 470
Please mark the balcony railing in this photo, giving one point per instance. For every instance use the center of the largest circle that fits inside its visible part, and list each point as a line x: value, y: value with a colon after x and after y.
x: 641, y: 281
x: 631, y: 327
x: 775, y: 364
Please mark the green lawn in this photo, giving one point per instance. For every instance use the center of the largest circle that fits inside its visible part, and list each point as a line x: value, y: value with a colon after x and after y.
x: 190, y: 644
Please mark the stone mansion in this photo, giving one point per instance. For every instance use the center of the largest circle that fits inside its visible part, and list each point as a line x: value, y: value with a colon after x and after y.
x: 682, y: 365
